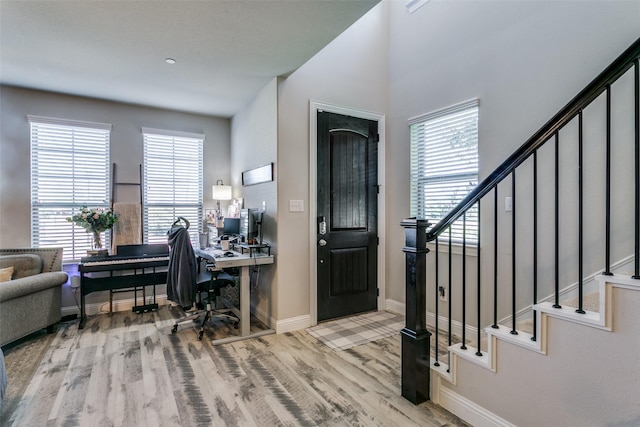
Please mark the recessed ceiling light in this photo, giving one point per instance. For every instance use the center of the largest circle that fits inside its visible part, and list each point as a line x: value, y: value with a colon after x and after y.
x: 169, y: 60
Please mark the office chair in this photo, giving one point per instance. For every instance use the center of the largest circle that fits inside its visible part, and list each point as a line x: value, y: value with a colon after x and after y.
x: 185, y: 286
x: 209, y: 283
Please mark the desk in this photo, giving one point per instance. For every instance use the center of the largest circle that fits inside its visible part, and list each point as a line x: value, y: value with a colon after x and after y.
x: 242, y: 261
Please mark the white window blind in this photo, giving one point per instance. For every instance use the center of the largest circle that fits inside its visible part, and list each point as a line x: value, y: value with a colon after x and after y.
x: 444, y: 165
x: 69, y: 168
x: 172, y: 181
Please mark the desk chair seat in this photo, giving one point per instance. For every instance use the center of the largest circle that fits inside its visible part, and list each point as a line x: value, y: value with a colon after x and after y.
x: 209, y: 283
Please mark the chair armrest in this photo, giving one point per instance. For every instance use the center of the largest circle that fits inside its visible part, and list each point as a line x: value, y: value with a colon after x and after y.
x: 31, y: 284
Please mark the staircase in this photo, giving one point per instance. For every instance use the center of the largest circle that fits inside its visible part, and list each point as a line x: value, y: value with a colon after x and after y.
x: 582, y: 371
x: 553, y: 340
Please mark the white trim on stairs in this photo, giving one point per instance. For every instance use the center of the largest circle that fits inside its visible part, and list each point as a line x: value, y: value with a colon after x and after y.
x: 590, y: 285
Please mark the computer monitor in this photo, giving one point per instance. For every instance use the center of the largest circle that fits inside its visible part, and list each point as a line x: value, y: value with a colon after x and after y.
x: 231, y: 226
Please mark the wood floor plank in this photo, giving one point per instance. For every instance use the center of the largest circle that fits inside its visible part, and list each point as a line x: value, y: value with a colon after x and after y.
x: 158, y: 410
x: 127, y: 369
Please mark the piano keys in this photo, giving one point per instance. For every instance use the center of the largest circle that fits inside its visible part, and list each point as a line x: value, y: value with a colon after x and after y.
x: 117, y: 263
x: 135, y: 267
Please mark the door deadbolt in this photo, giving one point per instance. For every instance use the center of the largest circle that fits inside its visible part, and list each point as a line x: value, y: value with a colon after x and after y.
x: 322, y: 226
x: 322, y: 242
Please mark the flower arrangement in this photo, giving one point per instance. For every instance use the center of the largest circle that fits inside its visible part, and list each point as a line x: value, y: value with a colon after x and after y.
x: 96, y: 221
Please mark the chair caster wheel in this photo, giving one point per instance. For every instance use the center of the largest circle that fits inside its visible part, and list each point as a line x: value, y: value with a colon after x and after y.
x: 174, y: 329
x: 200, y: 335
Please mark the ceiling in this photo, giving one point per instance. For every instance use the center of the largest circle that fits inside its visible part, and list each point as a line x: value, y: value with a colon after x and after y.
x: 226, y: 51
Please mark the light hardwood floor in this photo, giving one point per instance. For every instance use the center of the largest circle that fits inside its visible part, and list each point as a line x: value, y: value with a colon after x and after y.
x: 127, y: 369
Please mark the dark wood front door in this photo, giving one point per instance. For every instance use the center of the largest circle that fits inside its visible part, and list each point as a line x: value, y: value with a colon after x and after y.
x: 346, y: 220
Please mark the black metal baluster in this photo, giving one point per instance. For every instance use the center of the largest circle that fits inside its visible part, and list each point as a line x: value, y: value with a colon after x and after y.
x: 464, y: 281
x: 495, y: 258
x: 607, y: 237
x: 513, y: 254
x: 557, y: 225
x: 437, y: 334
x: 450, y: 303
x: 580, y: 308
x: 535, y: 241
x: 637, y: 166
x: 479, y: 352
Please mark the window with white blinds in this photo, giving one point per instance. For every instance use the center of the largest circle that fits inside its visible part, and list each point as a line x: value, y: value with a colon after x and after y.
x: 444, y: 165
x: 69, y: 168
x: 172, y: 182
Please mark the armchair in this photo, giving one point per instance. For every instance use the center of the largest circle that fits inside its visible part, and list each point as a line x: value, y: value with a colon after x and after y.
x: 32, y: 299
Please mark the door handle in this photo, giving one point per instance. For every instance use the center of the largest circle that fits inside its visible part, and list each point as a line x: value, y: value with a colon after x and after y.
x: 322, y: 242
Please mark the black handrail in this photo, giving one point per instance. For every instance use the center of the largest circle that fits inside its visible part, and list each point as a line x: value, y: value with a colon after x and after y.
x: 623, y: 63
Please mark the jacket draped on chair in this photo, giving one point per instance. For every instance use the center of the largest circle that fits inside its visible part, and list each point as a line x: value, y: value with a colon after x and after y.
x: 182, y: 271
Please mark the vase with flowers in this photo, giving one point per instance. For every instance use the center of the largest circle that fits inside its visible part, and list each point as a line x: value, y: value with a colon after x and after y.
x: 96, y: 221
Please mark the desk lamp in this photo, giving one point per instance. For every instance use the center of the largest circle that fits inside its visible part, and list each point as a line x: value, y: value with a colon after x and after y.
x: 220, y: 192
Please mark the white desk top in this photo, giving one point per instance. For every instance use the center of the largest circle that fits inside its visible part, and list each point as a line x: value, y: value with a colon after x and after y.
x: 238, y: 260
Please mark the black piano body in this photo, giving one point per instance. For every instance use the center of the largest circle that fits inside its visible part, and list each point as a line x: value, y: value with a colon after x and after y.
x: 133, y: 268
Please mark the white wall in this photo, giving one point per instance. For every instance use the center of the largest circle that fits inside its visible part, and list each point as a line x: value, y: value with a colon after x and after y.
x: 351, y: 72
x: 523, y: 60
x: 126, y: 152
x: 254, y: 143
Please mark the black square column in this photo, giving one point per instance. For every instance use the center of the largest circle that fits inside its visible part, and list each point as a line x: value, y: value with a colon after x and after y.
x: 416, y: 339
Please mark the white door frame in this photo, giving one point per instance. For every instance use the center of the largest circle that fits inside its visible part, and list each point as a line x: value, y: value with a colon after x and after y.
x: 314, y: 106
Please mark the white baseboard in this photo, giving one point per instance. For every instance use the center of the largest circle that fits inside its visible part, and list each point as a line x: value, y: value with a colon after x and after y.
x: 103, y: 307
x: 462, y: 407
x: 293, y: 324
x: 395, y: 306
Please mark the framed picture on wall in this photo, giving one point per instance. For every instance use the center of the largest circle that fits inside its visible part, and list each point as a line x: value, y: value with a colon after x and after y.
x: 257, y: 175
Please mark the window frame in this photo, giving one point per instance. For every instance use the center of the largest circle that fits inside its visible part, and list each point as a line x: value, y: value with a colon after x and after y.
x: 455, y: 169
x: 69, y: 168
x: 160, y: 212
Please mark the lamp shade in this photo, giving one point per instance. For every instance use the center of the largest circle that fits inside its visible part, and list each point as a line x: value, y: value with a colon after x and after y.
x: 221, y: 192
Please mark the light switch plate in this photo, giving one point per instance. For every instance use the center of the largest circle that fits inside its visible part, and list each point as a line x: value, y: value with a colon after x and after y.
x: 296, y: 205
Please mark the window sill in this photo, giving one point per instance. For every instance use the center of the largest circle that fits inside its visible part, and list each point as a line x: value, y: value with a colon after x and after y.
x: 456, y: 248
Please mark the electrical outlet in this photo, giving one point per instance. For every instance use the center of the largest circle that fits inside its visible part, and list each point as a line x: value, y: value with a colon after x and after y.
x: 442, y: 293
x: 508, y: 204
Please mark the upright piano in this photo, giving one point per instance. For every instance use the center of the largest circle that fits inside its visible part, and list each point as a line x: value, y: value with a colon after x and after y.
x: 134, y: 266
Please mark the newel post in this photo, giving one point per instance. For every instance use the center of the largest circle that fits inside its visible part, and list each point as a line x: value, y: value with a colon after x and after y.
x: 415, y: 336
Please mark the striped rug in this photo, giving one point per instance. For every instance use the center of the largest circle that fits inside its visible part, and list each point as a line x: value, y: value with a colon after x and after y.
x: 344, y: 333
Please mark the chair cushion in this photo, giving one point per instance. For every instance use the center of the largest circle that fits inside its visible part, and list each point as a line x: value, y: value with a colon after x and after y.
x: 203, y: 278
x: 222, y: 279
x: 23, y: 265
x: 224, y: 276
